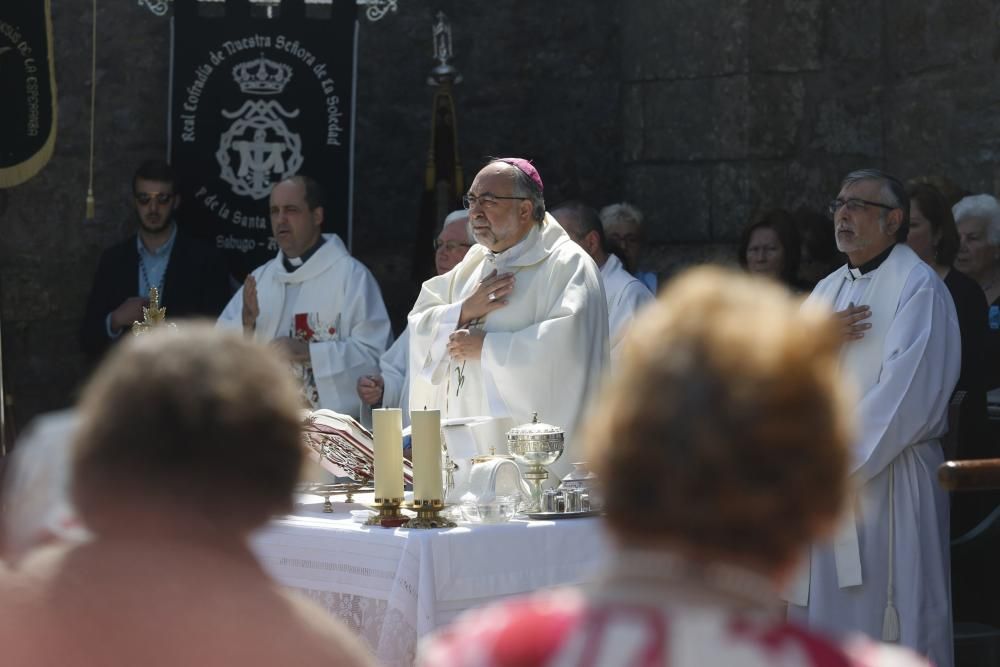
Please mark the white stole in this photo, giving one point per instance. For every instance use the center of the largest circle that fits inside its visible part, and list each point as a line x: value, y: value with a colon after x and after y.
x: 861, y: 362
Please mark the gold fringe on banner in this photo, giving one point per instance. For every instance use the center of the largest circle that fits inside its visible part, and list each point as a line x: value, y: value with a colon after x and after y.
x: 23, y: 171
x: 93, y: 96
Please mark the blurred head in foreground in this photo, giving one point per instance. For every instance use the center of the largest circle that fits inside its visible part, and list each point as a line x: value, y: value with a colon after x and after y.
x: 724, y: 436
x: 194, y: 426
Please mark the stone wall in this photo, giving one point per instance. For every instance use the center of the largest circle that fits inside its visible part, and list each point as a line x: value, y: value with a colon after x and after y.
x: 540, y: 79
x: 731, y: 107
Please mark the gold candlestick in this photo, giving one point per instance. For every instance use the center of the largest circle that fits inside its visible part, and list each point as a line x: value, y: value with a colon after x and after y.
x: 388, y: 515
x: 428, y: 515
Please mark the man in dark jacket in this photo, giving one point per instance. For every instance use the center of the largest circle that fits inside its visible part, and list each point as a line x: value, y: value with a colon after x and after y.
x: 190, y: 275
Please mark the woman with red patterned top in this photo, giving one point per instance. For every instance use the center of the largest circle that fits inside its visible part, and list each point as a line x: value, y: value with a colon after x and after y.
x: 722, y: 448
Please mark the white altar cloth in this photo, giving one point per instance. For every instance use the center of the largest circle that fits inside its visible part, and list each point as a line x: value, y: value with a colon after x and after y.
x: 392, y: 586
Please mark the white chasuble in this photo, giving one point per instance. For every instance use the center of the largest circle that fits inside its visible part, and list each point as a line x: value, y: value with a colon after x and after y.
x: 545, y: 351
x: 904, y: 370
x: 332, y: 302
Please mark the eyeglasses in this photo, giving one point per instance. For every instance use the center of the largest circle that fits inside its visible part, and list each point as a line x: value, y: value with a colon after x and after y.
x: 143, y: 198
x: 854, y: 205
x: 484, y: 200
x: 450, y: 246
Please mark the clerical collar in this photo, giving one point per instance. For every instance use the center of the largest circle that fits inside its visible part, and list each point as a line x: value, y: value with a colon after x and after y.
x: 870, y: 265
x: 292, y: 263
x: 505, y: 258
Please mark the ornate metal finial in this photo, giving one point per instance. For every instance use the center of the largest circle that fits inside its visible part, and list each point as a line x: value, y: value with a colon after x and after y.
x: 442, y: 39
x: 158, y: 7
x: 376, y: 9
x: 153, y: 315
x: 443, y: 53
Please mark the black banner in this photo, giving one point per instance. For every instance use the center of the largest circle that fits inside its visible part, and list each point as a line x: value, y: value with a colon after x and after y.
x: 27, y: 90
x: 253, y: 99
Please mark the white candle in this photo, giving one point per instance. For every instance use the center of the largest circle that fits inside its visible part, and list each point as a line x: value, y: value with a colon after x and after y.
x: 387, y: 425
x: 426, y: 425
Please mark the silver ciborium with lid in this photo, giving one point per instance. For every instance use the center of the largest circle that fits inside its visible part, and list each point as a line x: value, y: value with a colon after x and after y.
x: 535, y: 446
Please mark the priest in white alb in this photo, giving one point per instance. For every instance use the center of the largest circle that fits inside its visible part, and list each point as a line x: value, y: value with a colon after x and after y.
x: 626, y: 294
x: 520, y: 325
x: 886, y: 572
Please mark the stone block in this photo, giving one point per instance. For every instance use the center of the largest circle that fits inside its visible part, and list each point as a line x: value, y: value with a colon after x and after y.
x: 776, y: 113
x: 854, y: 31
x: 785, y: 35
x: 696, y: 119
x: 849, y: 124
x: 731, y: 205
x: 938, y: 34
x: 671, y: 40
x: 675, y: 199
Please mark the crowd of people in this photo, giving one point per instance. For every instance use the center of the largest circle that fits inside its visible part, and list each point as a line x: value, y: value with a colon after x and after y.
x: 751, y: 430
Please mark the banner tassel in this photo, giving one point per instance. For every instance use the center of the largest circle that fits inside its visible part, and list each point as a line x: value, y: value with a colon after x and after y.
x: 91, y: 204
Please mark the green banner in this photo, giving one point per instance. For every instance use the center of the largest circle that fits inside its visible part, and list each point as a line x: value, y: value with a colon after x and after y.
x: 27, y: 90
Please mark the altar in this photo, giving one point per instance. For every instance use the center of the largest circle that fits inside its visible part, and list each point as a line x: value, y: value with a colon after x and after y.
x: 393, y: 586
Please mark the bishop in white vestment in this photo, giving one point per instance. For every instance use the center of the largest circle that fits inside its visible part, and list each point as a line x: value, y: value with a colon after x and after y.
x: 886, y: 572
x: 520, y: 325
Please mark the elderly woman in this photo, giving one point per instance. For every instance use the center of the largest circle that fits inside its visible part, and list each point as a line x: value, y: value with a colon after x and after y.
x: 188, y: 441
x: 722, y: 446
x: 978, y: 220
x: 934, y: 237
x: 624, y: 230
x: 770, y: 246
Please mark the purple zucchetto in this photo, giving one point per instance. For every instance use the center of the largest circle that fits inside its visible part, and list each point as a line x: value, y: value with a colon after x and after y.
x: 526, y: 167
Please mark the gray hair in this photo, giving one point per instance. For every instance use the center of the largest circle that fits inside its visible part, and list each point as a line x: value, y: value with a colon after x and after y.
x: 892, y: 189
x: 616, y: 214
x: 463, y: 215
x: 980, y: 206
x: 527, y: 188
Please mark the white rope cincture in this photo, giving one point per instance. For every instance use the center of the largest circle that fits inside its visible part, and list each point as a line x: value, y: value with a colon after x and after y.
x: 890, y: 618
x: 90, y: 212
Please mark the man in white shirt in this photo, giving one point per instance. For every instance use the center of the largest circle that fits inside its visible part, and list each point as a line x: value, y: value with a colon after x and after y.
x: 624, y: 292
x: 521, y: 324
x: 886, y: 573
x: 313, y: 301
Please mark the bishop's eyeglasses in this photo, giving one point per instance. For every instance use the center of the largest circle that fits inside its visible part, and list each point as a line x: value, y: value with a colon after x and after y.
x: 483, y: 200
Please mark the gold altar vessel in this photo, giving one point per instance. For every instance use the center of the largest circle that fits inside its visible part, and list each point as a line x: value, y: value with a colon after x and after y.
x: 153, y: 315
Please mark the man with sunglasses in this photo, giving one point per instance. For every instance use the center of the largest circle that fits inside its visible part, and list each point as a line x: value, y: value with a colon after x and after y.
x: 190, y: 275
x: 886, y: 573
x: 520, y: 326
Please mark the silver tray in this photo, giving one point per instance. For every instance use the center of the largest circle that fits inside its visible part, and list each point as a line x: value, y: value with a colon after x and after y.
x: 561, y: 515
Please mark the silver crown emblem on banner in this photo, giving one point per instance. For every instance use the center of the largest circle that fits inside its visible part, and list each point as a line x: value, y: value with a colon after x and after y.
x: 262, y: 76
